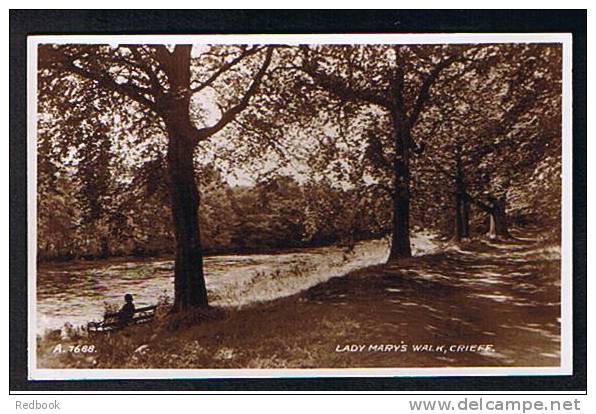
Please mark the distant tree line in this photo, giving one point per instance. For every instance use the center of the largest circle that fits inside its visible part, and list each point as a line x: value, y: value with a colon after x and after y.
x: 273, y: 215
x: 281, y: 213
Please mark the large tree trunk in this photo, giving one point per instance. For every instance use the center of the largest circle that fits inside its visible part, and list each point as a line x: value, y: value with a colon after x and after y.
x: 498, y: 220
x: 400, y: 240
x: 461, y: 227
x: 462, y: 209
x: 465, y: 231
x: 189, y: 281
x: 458, y: 222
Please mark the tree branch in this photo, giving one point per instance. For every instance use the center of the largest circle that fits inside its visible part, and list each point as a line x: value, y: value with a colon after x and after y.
x: 209, y: 81
x: 149, y: 70
x: 483, y: 206
x: 424, y: 93
x: 55, y: 59
x: 336, y: 86
x: 229, y: 115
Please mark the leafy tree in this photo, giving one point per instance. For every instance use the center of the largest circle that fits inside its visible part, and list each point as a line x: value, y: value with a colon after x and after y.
x: 496, y: 125
x: 394, y: 85
x: 157, y: 84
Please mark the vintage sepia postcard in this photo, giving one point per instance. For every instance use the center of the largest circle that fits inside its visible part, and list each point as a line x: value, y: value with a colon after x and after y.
x: 239, y: 206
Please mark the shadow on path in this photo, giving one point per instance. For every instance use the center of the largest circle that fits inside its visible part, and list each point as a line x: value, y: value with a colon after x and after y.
x: 500, y: 293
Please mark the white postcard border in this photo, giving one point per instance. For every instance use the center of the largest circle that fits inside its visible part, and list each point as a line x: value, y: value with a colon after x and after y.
x: 566, y: 366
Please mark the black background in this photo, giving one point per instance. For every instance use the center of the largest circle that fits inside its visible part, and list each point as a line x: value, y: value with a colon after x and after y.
x: 31, y: 22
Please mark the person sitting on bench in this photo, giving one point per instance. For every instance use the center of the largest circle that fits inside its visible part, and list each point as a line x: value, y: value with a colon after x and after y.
x: 128, y: 309
x: 126, y: 316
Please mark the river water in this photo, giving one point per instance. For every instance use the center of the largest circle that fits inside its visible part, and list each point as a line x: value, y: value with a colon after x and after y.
x: 77, y: 292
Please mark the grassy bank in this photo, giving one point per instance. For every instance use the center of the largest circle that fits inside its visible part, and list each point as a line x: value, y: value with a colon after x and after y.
x: 505, y: 295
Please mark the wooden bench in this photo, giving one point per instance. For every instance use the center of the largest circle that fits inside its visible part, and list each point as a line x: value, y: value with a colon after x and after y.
x: 113, y: 321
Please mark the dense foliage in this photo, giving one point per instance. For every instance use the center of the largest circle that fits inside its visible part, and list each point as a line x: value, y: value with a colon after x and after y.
x: 279, y: 213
